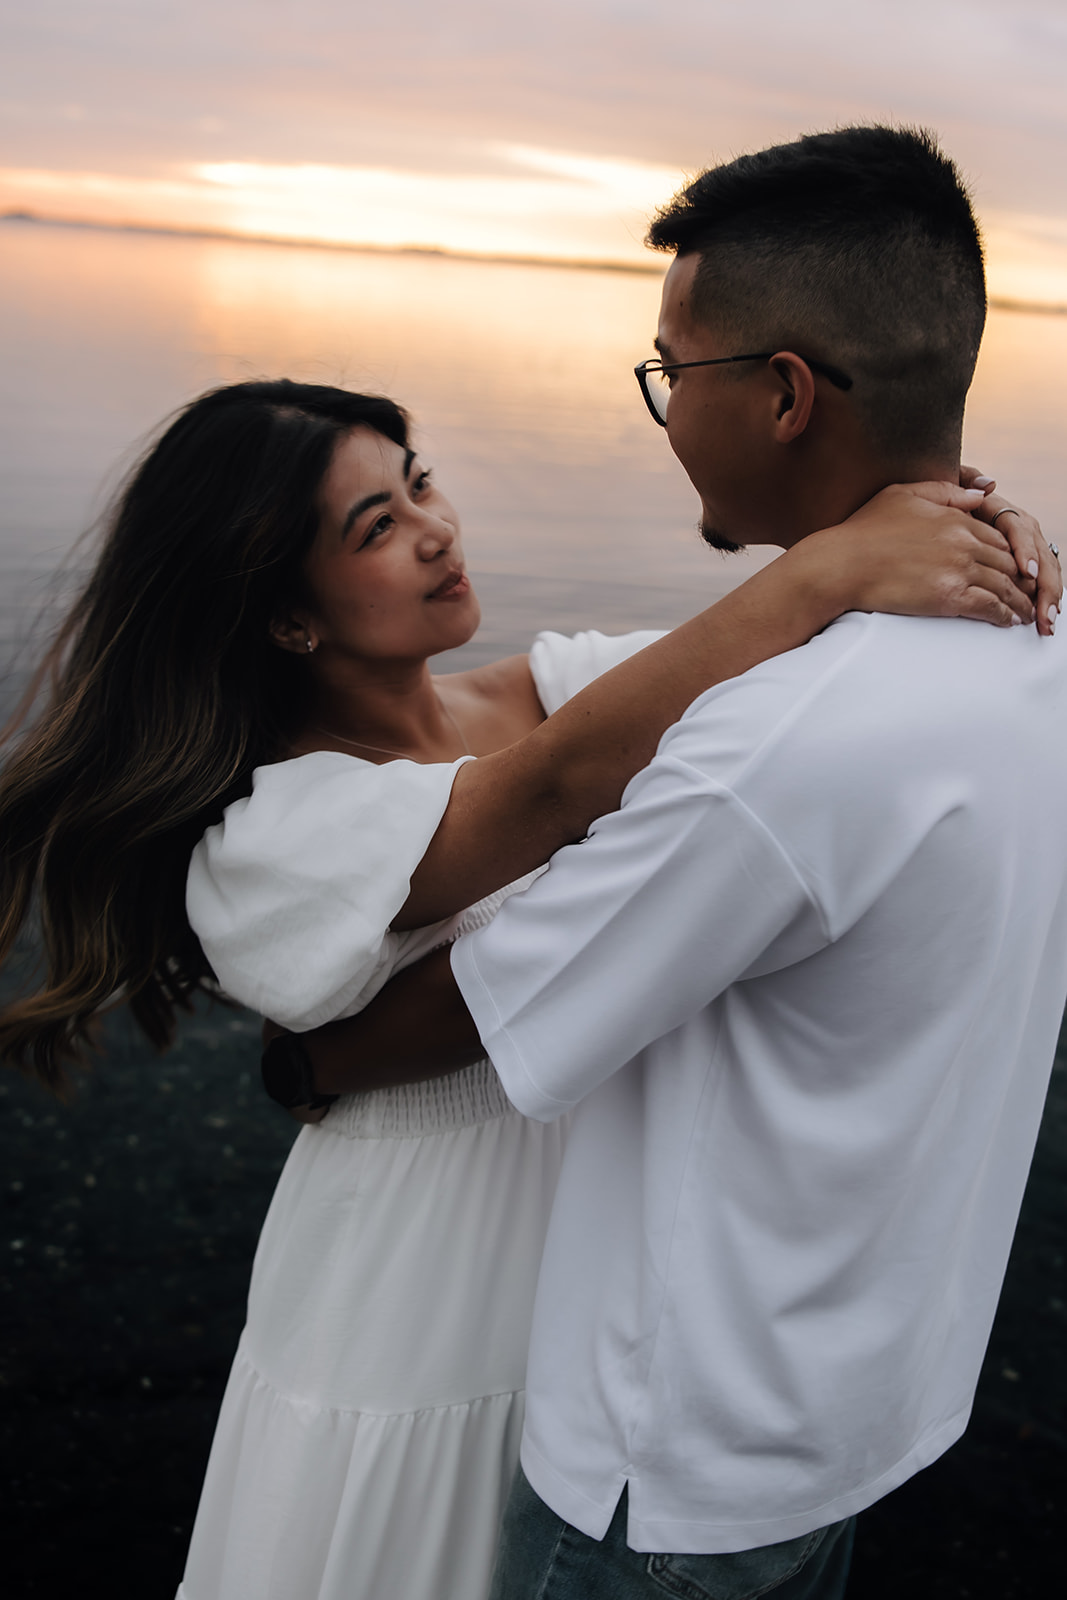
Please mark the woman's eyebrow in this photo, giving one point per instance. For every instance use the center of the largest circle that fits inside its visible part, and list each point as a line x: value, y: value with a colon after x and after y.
x: 382, y: 498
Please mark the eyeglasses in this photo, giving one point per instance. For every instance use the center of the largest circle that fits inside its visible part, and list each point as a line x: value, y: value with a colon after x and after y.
x: 653, y: 377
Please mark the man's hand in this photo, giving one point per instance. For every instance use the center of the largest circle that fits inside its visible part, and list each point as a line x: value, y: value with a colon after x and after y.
x: 306, y: 1114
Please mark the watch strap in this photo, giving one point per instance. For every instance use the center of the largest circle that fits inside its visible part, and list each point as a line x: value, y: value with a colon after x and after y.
x: 288, y: 1075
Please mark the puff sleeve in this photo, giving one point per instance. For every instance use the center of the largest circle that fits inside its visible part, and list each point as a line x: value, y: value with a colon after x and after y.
x: 292, y: 893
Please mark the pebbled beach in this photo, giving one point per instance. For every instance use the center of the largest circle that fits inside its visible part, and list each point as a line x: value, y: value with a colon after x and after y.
x: 130, y: 1219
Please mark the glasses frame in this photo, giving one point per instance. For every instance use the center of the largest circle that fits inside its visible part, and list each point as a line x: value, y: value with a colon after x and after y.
x: 839, y: 379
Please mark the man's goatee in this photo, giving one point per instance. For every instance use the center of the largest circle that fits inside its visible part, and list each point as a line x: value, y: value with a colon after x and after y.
x: 719, y: 541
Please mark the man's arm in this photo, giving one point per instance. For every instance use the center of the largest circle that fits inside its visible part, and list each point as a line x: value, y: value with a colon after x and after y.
x: 631, y: 934
x: 417, y: 1027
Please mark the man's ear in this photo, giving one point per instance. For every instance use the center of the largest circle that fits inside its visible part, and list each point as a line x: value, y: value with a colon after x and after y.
x: 294, y: 633
x: 796, y: 396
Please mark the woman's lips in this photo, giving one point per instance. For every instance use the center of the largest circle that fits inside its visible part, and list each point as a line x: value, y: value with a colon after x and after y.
x: 455, y: 587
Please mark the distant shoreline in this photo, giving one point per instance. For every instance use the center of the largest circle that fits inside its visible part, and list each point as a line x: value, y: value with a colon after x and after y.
x: 223, y: 235
x: 997, y: 302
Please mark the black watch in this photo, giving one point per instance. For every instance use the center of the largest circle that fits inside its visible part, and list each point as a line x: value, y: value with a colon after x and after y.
x: 288, y: 1076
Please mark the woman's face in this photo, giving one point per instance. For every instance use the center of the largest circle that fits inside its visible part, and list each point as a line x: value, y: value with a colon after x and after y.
x: 386, y: 571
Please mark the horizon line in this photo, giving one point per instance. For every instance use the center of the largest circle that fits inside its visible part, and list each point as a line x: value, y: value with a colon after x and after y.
x: 566, y: 263
x: 354, y: 247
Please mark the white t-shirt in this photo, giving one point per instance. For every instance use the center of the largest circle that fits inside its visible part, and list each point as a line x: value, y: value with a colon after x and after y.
x: 804, y: 990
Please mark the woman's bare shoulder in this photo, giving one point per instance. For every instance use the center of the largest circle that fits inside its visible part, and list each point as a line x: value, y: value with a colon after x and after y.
x: 501, y: 689
x: 497, y: 680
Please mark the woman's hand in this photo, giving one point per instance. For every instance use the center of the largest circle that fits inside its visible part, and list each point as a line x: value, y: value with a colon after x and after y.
x: 1037, y: 565
x: 921, y: 550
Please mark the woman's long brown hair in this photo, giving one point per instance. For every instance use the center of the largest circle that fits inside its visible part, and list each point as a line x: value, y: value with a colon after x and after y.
x: 166, y: 694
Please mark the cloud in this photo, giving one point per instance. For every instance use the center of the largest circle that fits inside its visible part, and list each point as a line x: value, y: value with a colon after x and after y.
x: 544, y: 204
x: 412, y: 84
x: 1027, y: 258
x: 372, y: 100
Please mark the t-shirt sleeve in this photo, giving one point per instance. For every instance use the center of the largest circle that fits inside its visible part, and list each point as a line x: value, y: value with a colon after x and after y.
x: 561, y: 666
x: 293, y: 892
x: 631, y: 933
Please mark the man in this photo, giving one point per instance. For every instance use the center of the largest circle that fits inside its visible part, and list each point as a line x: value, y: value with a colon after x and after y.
x: 802, y: 990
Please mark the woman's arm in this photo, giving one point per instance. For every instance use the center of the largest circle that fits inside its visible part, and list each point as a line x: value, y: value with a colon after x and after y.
x: 914, y: 549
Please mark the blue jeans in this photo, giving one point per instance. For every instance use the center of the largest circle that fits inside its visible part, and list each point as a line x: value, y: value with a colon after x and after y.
x: 541, y: 1557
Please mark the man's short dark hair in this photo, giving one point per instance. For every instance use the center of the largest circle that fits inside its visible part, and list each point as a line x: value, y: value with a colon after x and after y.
x: 859, y: 246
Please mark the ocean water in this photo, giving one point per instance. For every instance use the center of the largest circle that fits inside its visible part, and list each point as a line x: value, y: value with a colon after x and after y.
x: 519, y: 379
x: 137, y: 1208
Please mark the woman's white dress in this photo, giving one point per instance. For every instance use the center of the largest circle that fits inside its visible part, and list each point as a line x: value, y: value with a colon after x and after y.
x: 370, y: 1427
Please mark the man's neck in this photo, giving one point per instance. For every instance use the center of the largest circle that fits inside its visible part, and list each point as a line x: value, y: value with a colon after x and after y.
x: 833, y: 497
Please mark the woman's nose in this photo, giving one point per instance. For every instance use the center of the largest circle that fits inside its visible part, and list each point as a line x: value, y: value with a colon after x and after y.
x: 435, y: 536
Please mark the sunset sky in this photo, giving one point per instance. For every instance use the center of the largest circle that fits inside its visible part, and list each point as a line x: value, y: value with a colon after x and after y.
x: 533, y: 128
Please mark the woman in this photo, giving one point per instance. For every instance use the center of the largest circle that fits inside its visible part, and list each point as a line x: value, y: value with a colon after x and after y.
x: 254, y: 641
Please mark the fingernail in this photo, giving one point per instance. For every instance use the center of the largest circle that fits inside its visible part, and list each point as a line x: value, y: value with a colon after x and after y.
x: 984, y: 483
x: 1031, y: 567
x: 976, y: 494
x: 1052, y: 615
x: 1016, y: 622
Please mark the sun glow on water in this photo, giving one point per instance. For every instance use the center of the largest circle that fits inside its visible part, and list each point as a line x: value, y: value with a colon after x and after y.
x: 520, y: 380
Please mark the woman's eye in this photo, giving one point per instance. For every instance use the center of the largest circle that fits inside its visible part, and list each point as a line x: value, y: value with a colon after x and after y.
x: 382, y: 525
x: 422, y: 482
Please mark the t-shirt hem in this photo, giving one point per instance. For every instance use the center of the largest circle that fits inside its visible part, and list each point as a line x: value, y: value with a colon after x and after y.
x: 706, y: 1537
x: 589, y: 1516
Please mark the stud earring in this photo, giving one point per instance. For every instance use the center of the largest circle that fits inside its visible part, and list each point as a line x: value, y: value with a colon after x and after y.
x: 307, y: 641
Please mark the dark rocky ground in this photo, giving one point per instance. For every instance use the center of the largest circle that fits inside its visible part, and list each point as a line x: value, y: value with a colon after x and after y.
x: 130, y: 1220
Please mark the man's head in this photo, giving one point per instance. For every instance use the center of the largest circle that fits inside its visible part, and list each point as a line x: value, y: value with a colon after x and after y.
x: 856, y: 248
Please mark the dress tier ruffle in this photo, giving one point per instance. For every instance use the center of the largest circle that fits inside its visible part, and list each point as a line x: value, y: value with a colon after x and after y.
x: 371, y: 1424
